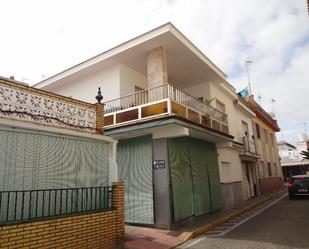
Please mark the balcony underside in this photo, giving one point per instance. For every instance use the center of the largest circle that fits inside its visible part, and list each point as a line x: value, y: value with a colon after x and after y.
x: 162, y: 109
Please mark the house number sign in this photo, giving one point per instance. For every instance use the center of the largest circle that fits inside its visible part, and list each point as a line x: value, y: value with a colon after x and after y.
x: 159, y: 164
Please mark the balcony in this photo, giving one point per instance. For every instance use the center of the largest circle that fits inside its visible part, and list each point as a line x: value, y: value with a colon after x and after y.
x: 162, y: 101
x: 249, y: 146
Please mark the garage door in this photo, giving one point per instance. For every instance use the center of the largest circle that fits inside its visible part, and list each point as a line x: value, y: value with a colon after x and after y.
x: 135, y: 169
x: 194, y: 176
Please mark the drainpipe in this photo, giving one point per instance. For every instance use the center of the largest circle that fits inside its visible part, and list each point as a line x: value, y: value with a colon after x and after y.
x: 113, y: 166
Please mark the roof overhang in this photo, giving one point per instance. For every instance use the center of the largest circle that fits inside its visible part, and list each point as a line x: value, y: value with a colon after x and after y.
x: 168, y: 127
x: 181, y: 54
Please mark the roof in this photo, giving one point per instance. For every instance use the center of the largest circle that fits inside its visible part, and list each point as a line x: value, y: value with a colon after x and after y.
x: 141, y: 40
x: 262, y: 114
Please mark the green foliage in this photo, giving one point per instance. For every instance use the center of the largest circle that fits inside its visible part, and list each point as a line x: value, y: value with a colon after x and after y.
x: 207, y: 102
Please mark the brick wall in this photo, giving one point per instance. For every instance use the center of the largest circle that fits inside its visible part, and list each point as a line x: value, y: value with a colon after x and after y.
x: 270, y: 184
x: 104, y: 229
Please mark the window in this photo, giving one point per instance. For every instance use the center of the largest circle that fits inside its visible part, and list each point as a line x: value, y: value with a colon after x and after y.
x: 258, y: 132
x: 220, y: 106
x: 269, y: 169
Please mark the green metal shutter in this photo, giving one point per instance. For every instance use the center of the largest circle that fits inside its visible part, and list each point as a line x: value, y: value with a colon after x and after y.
x: 135, y: 169
x: 42, y: 160
x: 199, y: 162
x: 214, y: 176
x: 181, y: 179
x: 195, y: 177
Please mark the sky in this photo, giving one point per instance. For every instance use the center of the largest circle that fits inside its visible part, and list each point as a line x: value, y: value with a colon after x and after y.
x: 41, y: 38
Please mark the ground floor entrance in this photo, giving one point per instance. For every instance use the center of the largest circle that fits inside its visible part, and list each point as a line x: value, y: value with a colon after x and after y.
x: 250, y: 179
x: 168, y: 179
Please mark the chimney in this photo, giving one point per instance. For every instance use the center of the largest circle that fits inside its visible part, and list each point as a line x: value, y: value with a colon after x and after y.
x: 12, y: 78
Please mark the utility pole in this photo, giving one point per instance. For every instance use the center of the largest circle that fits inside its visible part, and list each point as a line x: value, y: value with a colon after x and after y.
x: 247, y: 63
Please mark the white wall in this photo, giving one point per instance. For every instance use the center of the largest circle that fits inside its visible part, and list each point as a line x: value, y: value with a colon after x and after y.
x: 229, y: 165
x: 198, y: 91
x: 240, y: 116
x: 129, y: 78
x: 85, y: 86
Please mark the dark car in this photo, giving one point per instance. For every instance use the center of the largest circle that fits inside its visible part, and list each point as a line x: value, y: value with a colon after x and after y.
x: 298, y: 185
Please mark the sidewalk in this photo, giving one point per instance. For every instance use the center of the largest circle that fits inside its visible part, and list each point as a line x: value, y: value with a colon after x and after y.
x: 151, y: 238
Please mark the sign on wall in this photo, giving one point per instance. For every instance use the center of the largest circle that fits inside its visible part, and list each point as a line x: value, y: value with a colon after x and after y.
x: 158, y: 164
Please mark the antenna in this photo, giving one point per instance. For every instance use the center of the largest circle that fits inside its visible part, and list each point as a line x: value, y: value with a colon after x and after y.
x: 260, y: 99
x: 273, y: 101
x: 305, y: 127
x: 247, y: 63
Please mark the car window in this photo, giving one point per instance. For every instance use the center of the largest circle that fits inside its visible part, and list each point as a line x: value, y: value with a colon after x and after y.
x: 301, y: 180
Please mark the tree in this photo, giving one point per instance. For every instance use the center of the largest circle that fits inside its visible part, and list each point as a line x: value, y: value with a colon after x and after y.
x: 305, y: 154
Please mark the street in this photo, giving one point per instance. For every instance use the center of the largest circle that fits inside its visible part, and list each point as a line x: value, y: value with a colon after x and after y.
x: 285, y: 224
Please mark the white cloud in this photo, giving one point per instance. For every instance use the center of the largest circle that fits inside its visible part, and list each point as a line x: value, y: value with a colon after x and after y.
x: 45, y: 37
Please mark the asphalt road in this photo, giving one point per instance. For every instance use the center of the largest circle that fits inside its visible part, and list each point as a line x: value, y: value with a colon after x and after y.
x: 283, y: 225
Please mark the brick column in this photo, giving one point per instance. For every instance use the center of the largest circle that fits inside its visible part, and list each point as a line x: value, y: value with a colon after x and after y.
x: 99, y: 108
x: 118, y: 203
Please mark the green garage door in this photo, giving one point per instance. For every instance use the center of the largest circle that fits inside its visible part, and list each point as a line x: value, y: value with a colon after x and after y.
x: 194, y: 176
x: 135, y: 169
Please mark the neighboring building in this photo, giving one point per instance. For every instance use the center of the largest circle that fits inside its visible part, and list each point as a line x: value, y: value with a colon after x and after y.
x: 265, y: 128
x: 292, y: 162
x: 181, y: 145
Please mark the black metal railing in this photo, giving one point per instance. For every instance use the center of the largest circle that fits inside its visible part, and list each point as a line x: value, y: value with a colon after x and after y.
x: 27, y: 205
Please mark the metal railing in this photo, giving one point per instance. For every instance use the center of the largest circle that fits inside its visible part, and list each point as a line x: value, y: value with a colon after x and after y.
x: 160, y: 93
x: 27, y: 205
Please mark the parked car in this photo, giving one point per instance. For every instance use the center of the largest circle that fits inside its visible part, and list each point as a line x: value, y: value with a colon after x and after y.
x: 298, y: 185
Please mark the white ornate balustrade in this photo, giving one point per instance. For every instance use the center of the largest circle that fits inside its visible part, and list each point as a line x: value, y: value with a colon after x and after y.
x: 24, y: 103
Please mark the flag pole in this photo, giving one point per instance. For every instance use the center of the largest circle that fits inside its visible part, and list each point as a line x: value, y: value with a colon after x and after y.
x: 247, y: 63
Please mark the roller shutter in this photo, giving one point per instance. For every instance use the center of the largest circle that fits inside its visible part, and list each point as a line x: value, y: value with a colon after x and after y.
x: 194, y: 177
x: 135, y: 169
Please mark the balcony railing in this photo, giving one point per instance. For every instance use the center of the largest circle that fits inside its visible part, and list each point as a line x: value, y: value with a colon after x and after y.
x: 159, y: 101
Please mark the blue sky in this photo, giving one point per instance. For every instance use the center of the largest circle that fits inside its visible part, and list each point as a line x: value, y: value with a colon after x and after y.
x: 41, y: 38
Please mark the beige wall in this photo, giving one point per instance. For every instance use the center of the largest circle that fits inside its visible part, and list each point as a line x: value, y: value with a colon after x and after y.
x: 229, y: 165
x: 267, y: 150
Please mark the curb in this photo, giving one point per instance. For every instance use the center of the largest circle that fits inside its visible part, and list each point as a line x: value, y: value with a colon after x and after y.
x: 198, y: 231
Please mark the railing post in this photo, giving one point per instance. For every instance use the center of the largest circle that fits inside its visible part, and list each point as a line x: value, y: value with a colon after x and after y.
x: 169, y: 100
x: 99, y: 108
